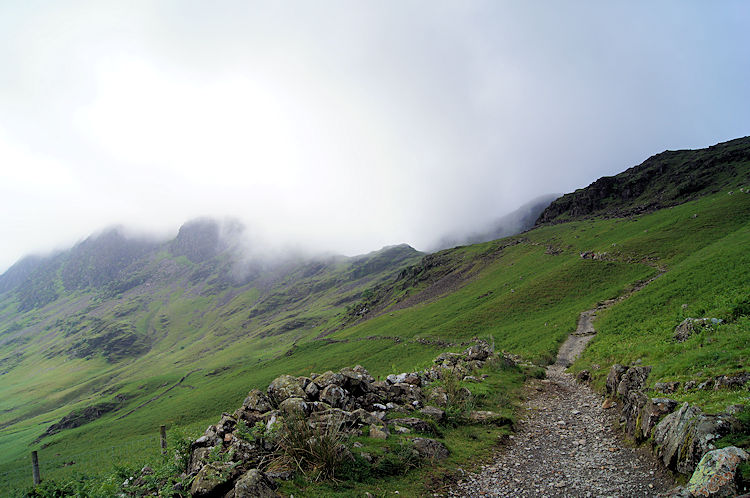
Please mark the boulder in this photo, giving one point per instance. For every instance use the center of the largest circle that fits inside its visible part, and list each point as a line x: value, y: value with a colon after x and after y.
x: 212, y: 480
x: 328, y: 378
x: 478, y: 352
x: 633, y: 403
x: 488, y: 418
x: 312, y: 390
x: 684, y: 436
x: 285, y: 386
x: 396, y: 378
x: 257, y: 401
x: 434, y: 413
x: 652, y: 412
x: 198, y: 458
x: 448, y: 359
x: 634, y: 379
x: 438, y: 396
x: 717, y: 474
x: 430, y: 449
x: 295, y: 407
x: 335, y: 396
x: 613, y: 378
x: 355, y: 382
x: 378, y: 432
x: 731, y: 381
x: 690, y: 326
x: 225, y: 425
x: 415, y: 424
x: 254, y: 484
x: 666, y: 387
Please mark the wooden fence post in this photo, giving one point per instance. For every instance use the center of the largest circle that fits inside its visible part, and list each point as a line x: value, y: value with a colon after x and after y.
x: 163, y: 437
x: 35, y: 467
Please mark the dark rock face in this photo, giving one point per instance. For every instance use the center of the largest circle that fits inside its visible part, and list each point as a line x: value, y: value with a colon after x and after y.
x: 197, y: 240
x: 666, y: 179
x: 652, y: 412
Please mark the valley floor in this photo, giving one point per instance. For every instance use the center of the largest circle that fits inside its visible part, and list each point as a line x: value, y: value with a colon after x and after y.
x: 567, y: 444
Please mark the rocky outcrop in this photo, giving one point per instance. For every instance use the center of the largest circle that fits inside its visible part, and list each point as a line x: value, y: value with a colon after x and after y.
x: 690, y: 326
x: 230, y: 458
x: 680, y: 438
x: 683, y: 437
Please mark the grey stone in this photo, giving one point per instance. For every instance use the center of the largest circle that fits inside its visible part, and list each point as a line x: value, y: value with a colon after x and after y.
x: 254, y: 484
x: 652, y: 412
x: 684, y: 436
x: 334, y: 395
x: 430, y: 449
x: 257, y: 401
x: 434, y: 413
x: 283, y: 387
x: 716, y: 474
x: 613, y: 378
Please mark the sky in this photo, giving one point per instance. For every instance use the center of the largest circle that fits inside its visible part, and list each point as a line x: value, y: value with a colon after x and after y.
x: 345, y: 126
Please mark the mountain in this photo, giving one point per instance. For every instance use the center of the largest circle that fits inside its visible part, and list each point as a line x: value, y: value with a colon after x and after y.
x: 662, y: 180
x: 102, y: 344
x: 512, y: 223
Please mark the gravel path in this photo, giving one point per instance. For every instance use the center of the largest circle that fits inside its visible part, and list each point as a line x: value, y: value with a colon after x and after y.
x: 567, y: 445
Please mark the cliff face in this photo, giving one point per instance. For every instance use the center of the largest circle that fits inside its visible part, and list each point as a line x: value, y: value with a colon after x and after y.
x: 663, y: 180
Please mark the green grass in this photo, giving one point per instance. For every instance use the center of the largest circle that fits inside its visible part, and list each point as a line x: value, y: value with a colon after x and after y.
x: 521, y: 297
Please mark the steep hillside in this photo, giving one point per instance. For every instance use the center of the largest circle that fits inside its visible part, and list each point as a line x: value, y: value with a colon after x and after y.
x: 663, y: 180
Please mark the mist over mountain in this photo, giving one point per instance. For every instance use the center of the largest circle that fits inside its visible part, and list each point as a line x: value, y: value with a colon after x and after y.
x: 512, y: 223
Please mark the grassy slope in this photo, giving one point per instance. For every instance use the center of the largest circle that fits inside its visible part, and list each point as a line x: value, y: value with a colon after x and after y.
x: 526, y: 300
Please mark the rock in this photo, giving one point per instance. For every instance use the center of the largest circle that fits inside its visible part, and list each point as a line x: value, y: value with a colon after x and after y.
x: 438, y: 396
x: 690, y: 326
x: 396, y: 378
x: 415, y: 424
x: 471, y: 378
x: 684, y: 436
x: 666, y: 387
x: 378, y: 432
x: 198, y: 459
x: 716, y: 473
x: 614, y: 377
x: 225, y: 425
x: 634, y: 379
x: 731, y: 381
x: 355, y: 382
x: 430, y: 449
x: 478, y: 352
x: 690, y: 385
x: 212, y: 480
x: 254, y: 484
x: 434, y: 413
x: 283, y: 387
x: 312, y: 390
x: 328, y: 378
x: 413, y: 379
x: 652, y: 412
x: 449, y: 359
x: 257, y: 401
x: 334, y: 395
x: 489, y: 418
x: 608, y: 403
x: 583, y: 376
x: 294, y: 406
x: 363, y: 417
x: 633, y: 404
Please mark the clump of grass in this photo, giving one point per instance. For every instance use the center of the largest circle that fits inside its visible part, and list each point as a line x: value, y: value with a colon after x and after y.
x: 315, y: 451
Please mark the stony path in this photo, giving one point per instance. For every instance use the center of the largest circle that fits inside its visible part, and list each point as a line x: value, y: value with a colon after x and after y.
x: 567, y: 445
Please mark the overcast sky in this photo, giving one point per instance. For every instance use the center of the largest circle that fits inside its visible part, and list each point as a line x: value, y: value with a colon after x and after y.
x: 345, y: 126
